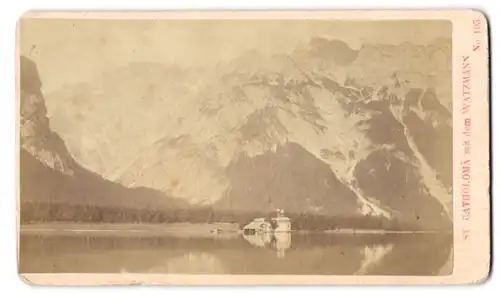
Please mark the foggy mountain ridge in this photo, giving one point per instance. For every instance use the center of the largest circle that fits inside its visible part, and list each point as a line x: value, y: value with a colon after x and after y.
x: 326, y: 130
x: 50, y: 174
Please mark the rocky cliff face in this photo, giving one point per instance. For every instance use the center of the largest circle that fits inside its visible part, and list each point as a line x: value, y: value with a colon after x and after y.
x: 326, y: 129
x: 36, y: 136
x: 48, y: 172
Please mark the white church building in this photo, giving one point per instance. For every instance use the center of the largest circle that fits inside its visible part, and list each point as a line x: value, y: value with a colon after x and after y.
x: 280, y: 223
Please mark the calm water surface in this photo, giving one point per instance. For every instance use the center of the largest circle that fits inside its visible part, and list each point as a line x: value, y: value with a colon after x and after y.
x: 333, y: 254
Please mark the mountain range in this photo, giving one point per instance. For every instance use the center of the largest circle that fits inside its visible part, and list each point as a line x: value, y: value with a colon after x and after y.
x: 325, y: 130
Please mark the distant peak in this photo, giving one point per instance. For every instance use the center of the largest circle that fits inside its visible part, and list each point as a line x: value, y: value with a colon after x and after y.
x: 332, y: 49
x: 30, y: 79
x: 320, y: 41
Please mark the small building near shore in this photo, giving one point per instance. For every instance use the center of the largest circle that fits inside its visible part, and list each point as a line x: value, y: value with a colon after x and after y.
x: 258, y: 225
x: 280, y: 223
x: 283, y: 223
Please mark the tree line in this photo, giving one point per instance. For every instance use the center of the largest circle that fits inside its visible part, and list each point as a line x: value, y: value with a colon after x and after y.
x: 86, y: 213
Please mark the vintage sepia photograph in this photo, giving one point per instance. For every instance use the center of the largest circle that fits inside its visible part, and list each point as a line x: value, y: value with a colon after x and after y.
x: 236, y: 146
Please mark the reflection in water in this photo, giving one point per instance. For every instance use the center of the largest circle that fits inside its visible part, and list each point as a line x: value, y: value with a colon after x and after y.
x: 281, y: 241
x: 278, y: 253
x: 259, y: 239
x: 192, y: 262
x: 373, y: 255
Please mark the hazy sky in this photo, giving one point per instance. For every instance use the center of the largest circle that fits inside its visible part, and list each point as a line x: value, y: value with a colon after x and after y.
x: 70, y: 51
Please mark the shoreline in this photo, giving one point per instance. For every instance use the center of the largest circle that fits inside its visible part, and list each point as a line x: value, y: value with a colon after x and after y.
x: 181, y: 229
x: 227, y: 230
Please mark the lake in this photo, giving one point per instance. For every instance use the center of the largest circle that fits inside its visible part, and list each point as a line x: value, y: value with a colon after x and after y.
x: 297, y: 254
